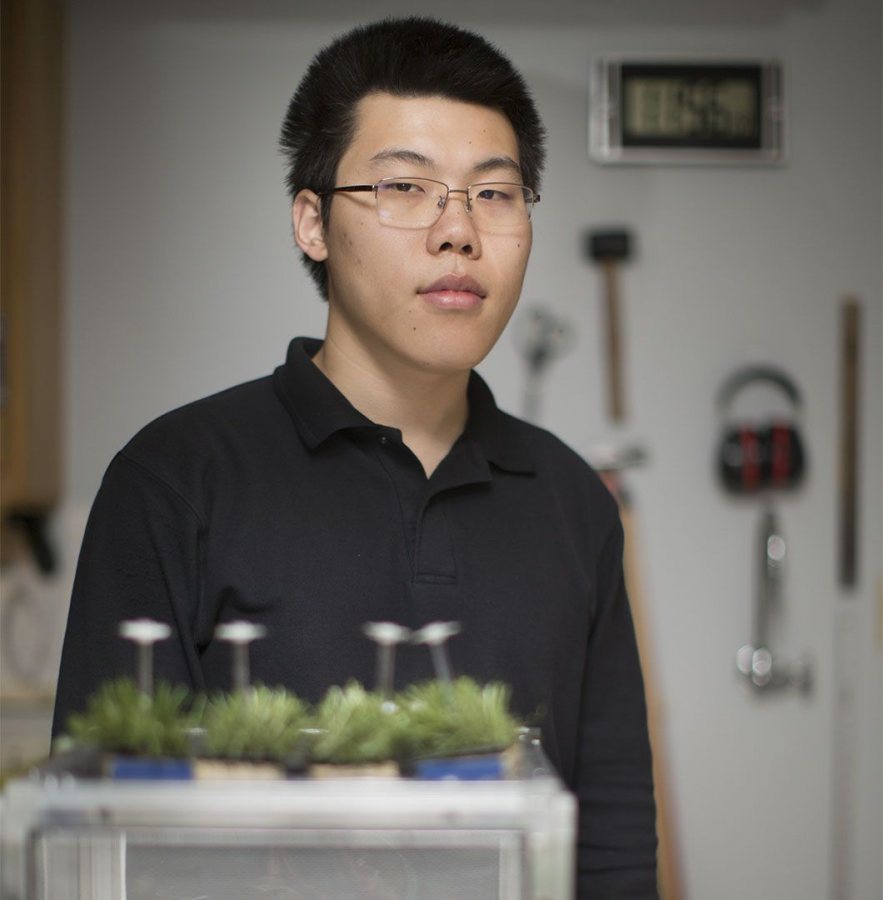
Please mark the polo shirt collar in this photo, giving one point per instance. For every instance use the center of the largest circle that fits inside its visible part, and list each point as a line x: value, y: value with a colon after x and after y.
x: 498, y: 435
x: 320, y: 410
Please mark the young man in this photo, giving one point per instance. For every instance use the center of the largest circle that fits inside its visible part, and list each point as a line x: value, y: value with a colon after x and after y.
x: 372, y: 476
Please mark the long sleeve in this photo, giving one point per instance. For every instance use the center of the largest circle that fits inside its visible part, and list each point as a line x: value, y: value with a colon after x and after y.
x: 616, y: 855
x: 140, y: 558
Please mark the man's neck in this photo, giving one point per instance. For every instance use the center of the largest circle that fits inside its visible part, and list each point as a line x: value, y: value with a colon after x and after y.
x: 429, y: 408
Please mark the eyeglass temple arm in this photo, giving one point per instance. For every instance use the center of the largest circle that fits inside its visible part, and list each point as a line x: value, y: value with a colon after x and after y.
x: 351, y: 188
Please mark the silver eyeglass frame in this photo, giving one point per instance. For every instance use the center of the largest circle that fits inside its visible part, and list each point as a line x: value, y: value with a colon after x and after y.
x: 531, y: 196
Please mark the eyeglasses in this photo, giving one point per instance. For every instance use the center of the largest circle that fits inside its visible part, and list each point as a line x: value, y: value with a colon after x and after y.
x: 419, y: 202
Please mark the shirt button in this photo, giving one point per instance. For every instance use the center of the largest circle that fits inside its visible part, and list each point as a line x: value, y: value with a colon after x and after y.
x: 384, y: 440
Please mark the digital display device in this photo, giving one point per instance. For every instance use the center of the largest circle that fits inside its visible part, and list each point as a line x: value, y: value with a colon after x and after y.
x: 685, y: 112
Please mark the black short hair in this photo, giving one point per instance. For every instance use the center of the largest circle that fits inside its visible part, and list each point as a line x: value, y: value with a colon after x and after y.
x: 408, y: 57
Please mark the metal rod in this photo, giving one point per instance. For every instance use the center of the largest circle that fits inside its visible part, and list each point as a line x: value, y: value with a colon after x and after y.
x: 144, y: 633
x: 386, y: 635
x: 385, y: 670
x: 772, y: 559
x: 441, y: 663
x: 240, y: 635
x: 241, y: 677
x: 145, y: 669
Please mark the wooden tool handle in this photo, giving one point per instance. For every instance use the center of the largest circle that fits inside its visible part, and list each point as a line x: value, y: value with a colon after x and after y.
x: 669, y: 873
x: 849, y: 443
x: 613, y: 342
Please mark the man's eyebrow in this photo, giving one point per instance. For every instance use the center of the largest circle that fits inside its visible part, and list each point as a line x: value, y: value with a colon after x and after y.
x: 498, y: 162
x: 400, y: 154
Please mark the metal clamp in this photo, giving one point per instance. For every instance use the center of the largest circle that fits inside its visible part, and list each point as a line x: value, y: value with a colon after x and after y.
x: 756, y: 661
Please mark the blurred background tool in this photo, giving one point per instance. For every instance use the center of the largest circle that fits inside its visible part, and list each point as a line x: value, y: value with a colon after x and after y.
x: 849, y: 396
x: 612, y: 461
x: 844, y: 756
x: 760, y: 454
x: 756, y: 660
x: 609, y: 249
x: 541, y: 337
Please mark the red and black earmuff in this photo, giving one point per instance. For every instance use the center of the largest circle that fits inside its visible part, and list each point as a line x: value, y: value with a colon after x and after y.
x: 760, y: 456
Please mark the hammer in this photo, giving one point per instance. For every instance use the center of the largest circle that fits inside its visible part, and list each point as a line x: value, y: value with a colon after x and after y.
x: 609, y: 249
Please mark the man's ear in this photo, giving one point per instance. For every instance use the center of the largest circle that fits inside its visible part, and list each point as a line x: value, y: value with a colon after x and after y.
x: 306, y: 219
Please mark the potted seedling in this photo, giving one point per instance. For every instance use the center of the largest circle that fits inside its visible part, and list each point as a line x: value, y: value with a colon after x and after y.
x: 143, y: 730
x: 141, y: 735
x: 254, y: 733
x: 357, y: 733
x: 458, y: 729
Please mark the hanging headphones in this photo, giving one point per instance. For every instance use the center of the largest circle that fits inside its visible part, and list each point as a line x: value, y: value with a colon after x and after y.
x: 764, y: 456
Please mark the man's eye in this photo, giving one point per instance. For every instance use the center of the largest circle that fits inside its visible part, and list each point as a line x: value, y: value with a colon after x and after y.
x: 403, y: 187
x: 497, y: 193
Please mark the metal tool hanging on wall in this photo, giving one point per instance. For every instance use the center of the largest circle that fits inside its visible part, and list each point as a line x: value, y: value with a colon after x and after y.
x: 847, y: 661
x: 759, y: 458
x: 541, y: 337
x: 610, y: 249
x: 755, y: 660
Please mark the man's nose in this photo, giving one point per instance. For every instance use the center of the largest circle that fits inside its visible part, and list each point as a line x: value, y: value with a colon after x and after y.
x: 455, y: 229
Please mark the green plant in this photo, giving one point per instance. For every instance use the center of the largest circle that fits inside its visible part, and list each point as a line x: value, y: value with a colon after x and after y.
x: 356, y: 726
x: 120, y: 718
x: 454, y: 718
x: 258, y: 723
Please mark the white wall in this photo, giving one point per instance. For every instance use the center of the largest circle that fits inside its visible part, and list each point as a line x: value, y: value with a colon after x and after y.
x: 181, y: 280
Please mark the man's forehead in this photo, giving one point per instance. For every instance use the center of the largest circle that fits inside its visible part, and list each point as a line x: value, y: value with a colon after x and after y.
x: 430, y: 131
x: 406, y: 155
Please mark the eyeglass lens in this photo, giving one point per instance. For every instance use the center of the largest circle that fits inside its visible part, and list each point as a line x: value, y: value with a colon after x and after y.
x: 418, y: 202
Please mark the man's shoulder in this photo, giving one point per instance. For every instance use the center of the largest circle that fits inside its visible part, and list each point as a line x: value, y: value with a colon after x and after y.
x: 200, y: 440
x: 227, y: 411
x: 553, y: 459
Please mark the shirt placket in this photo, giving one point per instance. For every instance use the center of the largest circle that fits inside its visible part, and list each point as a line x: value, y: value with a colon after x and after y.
x: 422, y: 503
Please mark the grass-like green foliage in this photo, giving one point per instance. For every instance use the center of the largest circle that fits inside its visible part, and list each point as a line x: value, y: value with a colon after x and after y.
x: 350, y: 726
x: 260, y: 723
x: 120, y: 718
x: 431, y: 719
x: 458, y: 718
x: 356, y: 727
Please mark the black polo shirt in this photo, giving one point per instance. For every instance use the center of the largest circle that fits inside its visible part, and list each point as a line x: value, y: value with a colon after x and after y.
x: 278, y: 502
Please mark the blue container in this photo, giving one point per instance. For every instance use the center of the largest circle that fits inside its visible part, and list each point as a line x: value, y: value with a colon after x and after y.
x: 143, y: 768
x: 487, y: 767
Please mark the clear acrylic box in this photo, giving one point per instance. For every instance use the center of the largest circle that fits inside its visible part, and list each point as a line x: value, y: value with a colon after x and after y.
x: 65, y: 838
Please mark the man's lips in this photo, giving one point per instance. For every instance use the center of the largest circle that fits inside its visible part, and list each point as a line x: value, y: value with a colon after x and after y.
x: 454, y: 292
